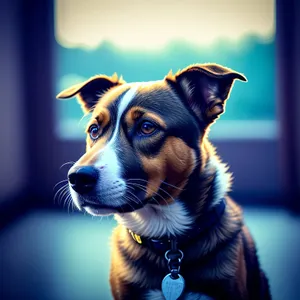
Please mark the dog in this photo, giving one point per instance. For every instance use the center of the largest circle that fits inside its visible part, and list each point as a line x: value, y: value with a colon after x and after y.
x: 149, y: 162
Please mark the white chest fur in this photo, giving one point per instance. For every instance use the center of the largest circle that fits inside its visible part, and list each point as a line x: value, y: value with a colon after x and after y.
x: 157, y: 220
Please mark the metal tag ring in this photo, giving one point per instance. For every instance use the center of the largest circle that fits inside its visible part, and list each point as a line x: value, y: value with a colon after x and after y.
x: 168, y: 259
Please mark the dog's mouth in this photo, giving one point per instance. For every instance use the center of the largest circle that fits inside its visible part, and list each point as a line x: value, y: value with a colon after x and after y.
x: 126, y: 207
x: 101, y: 206
x: 93, y: 205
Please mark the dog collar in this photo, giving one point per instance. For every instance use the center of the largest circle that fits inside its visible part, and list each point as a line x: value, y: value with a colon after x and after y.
x: 211, y: 218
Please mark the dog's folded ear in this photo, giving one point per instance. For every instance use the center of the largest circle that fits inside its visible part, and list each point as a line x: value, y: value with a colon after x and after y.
x: 89, y: 92
x: 205, y: 87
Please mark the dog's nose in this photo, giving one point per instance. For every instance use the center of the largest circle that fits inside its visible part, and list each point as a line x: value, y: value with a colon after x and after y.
x: 83, y: 179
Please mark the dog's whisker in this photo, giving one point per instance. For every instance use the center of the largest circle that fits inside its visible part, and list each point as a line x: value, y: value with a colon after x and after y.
x: 62, y: 187
x: 83, y: 117
x: 138, y: 200
x: 72, y: 204
x: 60, y: 190
x: 144, y: 189
x: 63, y: 194
x: 67, y: 163
x: 65, y: 202
x: 128, y: 198
x: 112, y: 219
x: 171, y: 185
x: 144, y: 180
x: 64, y: 180
x: 131, y: 187
x: 68, y: 201
x: 167, y: 204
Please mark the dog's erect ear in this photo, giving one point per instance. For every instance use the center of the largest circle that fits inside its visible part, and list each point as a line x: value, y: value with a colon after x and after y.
x: 205, y: 88
x: 89, y: 92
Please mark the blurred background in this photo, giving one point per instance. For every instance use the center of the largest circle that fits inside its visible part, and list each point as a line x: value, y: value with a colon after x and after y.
x: 50, y: 251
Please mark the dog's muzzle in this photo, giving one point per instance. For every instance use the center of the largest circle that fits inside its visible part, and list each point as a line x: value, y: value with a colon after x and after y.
x: 97, y: 191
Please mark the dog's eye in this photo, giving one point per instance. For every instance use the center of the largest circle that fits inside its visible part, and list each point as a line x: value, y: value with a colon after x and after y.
x: 147, y: 128
x: 94, y: 131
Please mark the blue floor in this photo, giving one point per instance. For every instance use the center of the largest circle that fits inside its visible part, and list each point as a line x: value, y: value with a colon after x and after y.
x: 61, y: 256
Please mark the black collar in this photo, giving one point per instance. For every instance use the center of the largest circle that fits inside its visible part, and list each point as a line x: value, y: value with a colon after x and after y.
x: 205, y: 222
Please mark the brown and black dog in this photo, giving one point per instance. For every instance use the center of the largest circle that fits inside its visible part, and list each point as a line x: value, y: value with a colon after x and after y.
x: 148, y: 161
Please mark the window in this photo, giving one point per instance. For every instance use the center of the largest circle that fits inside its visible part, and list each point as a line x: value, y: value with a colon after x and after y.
x: 143, y: 40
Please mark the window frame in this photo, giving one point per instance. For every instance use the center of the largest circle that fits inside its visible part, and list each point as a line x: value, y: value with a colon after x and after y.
x: 257, y: 176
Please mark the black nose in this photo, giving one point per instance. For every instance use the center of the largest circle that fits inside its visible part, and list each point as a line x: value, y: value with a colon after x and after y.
x: 83, y: 179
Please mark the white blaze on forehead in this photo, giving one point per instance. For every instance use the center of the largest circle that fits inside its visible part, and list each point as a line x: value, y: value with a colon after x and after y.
x: 107, y: 155
x: 125, y: 101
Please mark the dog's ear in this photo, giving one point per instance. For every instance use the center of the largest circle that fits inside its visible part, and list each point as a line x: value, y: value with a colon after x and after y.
x: 89, y: 92
x: 205, y: 87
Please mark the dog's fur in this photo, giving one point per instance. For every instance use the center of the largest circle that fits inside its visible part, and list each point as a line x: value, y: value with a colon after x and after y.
x: 160, y: 183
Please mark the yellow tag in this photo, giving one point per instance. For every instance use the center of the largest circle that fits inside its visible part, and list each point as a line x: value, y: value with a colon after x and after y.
x: 138, y: 238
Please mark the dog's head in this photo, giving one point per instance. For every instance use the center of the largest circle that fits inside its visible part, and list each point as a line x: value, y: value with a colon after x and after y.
x: 144, y: 140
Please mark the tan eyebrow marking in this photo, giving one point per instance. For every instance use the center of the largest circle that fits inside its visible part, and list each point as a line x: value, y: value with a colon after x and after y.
x: 102, y: 120
x: 103, y: 117
x: 156, y: 118
x: 137, y: 112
